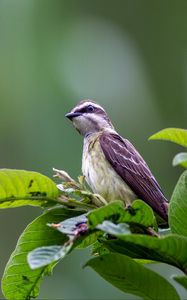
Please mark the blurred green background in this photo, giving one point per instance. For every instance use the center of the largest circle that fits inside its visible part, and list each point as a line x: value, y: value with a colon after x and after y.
x: 130, y: 56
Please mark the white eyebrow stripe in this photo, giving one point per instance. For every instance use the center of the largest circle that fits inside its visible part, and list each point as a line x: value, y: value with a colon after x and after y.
x: 85, y: 104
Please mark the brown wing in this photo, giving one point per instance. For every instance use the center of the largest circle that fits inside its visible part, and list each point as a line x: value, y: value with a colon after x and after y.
x: 129, y: 164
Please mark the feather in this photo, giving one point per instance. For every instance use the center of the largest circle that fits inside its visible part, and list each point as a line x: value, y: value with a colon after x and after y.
x: 132, y: 168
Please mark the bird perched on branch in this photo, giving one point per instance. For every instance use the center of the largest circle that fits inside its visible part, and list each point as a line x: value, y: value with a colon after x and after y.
x: 111, y: 165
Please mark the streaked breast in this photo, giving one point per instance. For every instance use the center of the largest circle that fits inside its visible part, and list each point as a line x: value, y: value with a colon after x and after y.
x: 100, y: 175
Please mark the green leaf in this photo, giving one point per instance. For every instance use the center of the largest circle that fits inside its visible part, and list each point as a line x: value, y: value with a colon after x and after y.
x: 175, y: 135
x: 181, y: 280
x: 19, y: 281
x: 88, y: 239
x: 99, y: 249
x: 178, y: 207
x: 164, y: 249
x: 139, y: 213
x: 113, y: 210
x: 131, y: 277
x: 44, y: 256
x: 19, y: 188
x: 180, y: 159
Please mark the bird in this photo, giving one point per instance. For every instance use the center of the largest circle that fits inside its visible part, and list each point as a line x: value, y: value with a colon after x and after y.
x: 111, y: 165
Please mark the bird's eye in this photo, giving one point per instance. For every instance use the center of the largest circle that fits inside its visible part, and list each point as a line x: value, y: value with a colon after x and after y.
x: 90, y: 108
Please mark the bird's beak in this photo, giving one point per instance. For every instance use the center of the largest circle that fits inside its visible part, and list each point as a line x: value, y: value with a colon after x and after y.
x: 72, y: 115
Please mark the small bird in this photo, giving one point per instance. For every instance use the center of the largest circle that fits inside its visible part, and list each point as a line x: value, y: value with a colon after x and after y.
x: 111, y: 165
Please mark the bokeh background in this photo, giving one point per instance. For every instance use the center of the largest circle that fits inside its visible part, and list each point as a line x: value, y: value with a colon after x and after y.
x: 130, y: 56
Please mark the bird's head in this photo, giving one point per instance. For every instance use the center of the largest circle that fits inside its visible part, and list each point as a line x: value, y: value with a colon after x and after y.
x: 89, y: 117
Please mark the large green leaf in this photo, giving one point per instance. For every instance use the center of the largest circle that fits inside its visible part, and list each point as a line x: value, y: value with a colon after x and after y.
x: 180, y: 159
x: 19, y: 188
x: 19, y: 281
x: 131, y: 277
x: 139, y: 213
x: 178, y: 207
x: 171, y: 249
x: 175, y: 135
